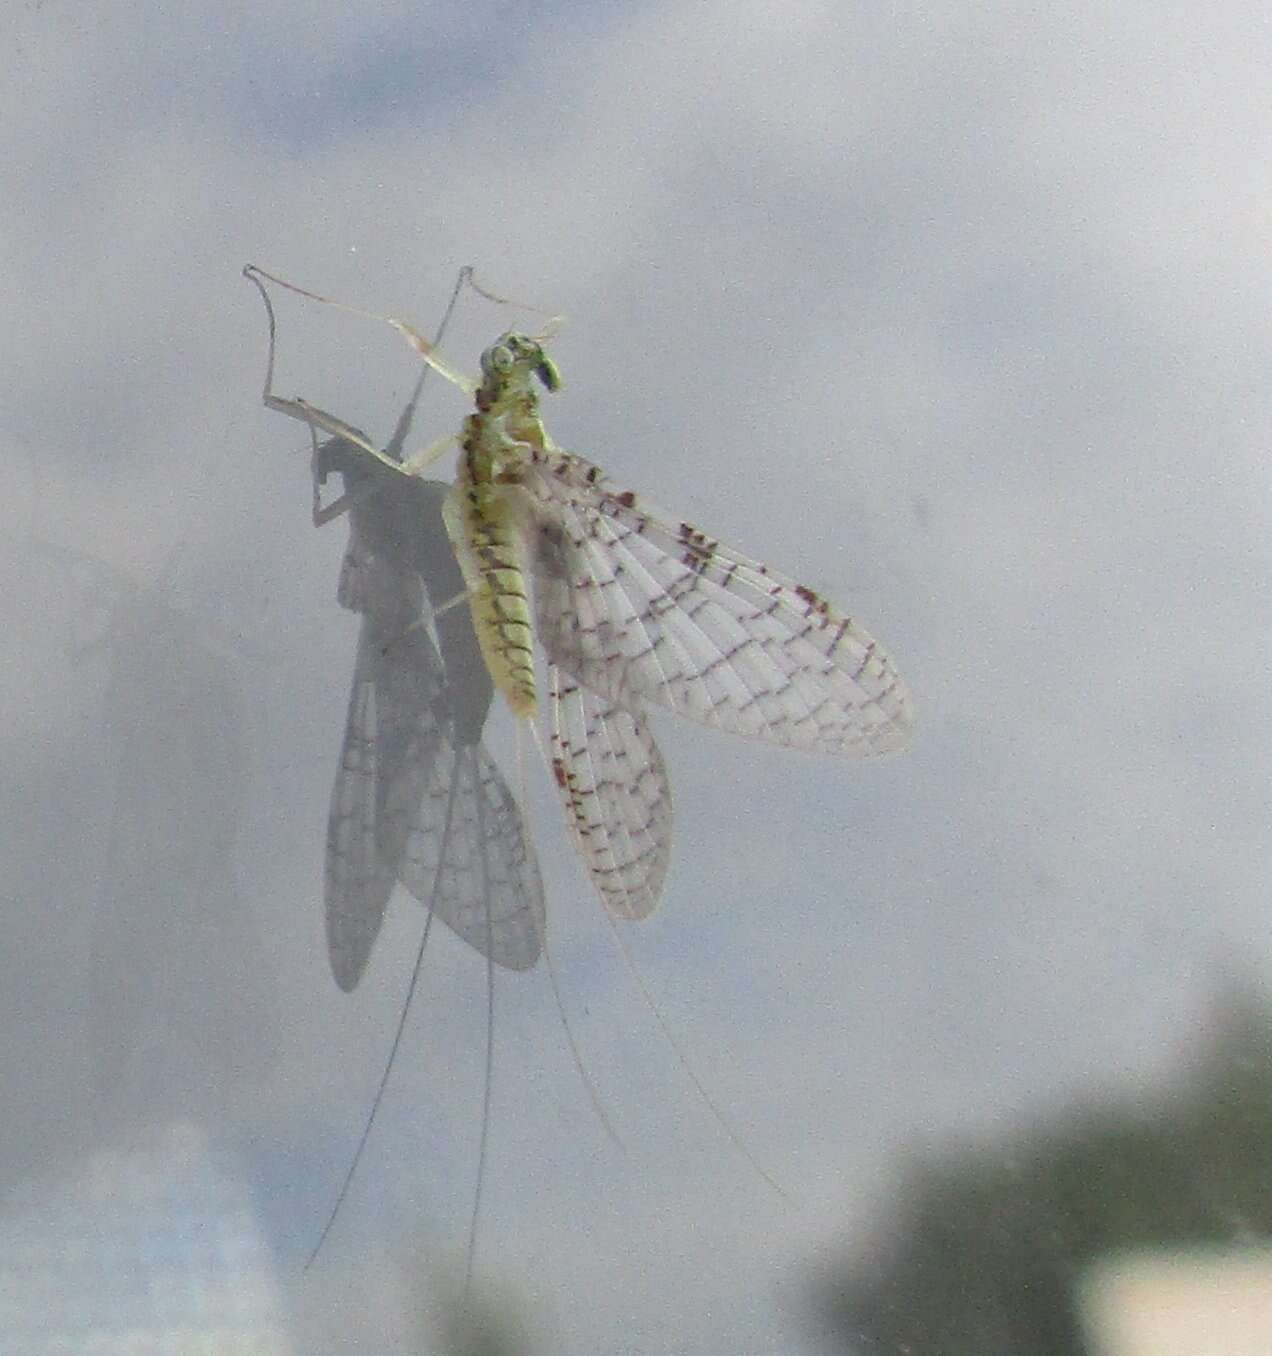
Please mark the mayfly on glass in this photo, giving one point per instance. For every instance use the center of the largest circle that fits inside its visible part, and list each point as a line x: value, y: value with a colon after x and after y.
x: 632, y: 605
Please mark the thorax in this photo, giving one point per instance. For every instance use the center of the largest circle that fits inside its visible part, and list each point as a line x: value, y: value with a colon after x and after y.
x: 501, y: 437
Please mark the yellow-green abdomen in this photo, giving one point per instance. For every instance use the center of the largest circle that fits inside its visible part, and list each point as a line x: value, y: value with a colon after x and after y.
x: 481, y: 523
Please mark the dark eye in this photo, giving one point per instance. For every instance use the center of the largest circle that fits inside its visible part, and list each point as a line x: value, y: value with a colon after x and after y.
x: 547, y: 372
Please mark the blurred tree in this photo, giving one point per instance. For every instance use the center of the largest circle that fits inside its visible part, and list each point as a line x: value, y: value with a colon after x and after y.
x: 986, y: 1246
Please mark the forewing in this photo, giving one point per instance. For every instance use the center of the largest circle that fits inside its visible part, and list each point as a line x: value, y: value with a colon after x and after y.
x: 636, y: 605
x: 617, y: 799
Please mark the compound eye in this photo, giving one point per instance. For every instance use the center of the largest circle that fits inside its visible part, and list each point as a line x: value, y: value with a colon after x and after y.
x: 499, y: 359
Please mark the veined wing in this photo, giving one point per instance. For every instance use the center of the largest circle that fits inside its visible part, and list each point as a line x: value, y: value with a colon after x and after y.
x: 416, y: 797
x: 637, y: 605
x: 466, y: 852
x: 392, y: 737
x: 608, y: 770
x: 617, y: 798
x: 356, y: 885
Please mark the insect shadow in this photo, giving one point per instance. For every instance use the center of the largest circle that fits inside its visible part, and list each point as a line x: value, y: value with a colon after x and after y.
x: 417, y: 798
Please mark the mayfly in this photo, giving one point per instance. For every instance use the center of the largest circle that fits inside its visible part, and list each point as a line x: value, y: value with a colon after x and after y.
x: 632, y: 605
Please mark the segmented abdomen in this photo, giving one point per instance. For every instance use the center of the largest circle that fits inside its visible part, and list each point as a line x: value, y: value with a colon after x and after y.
x: 487, y: 542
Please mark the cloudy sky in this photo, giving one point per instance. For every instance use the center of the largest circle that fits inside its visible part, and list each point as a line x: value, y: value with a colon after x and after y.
x: 959, y: 315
